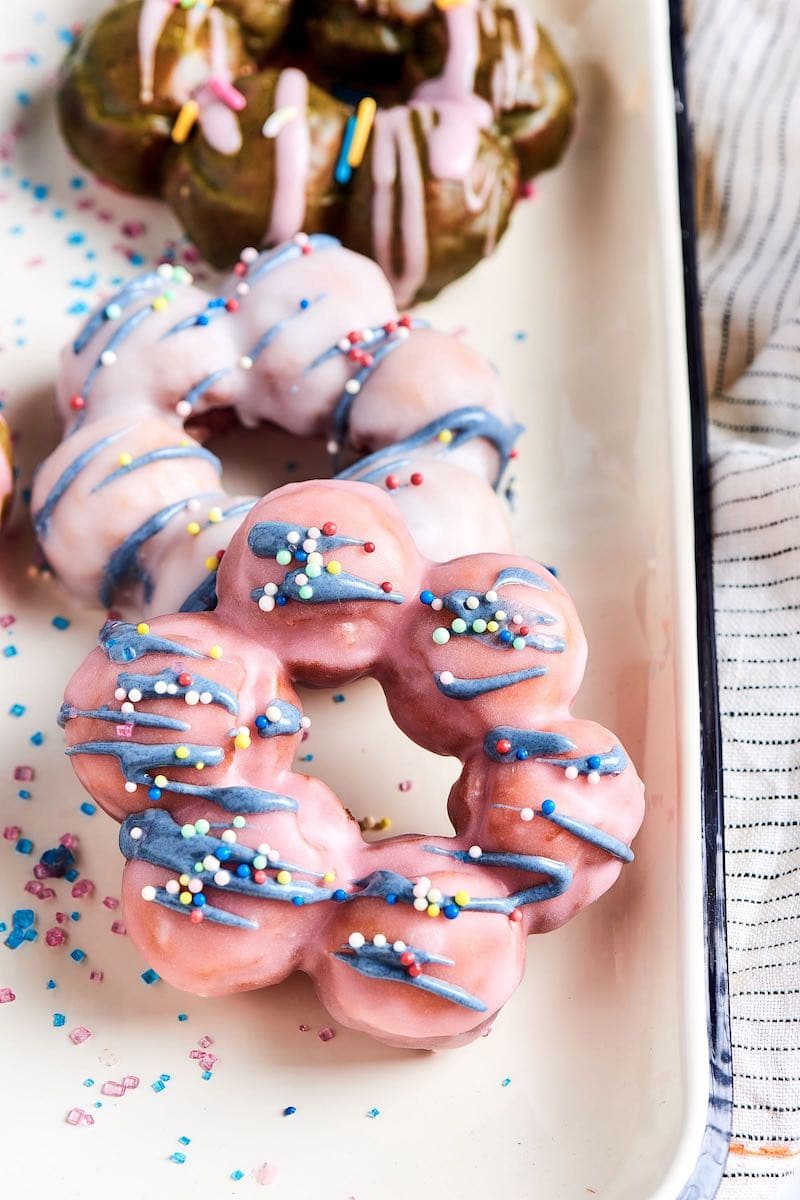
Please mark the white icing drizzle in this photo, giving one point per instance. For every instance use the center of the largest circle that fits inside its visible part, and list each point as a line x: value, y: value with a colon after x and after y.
x: 152, y: 19
x: 393, y: 146
x: 292, y: 158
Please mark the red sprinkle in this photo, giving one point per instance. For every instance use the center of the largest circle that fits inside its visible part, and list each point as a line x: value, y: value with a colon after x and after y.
x: 386, y: 586
x: 307, y: 248
x: 367, y: 359
x: 502, y: 746
x: 524, y: 631
x: 515, y: 915
x: 232, y: 305
x: 392, y: 482
x: 417, y: 479
x: 260, y: 876
x: 240, y: 268
x: 407, y: 958
x: 415, y: 970
x: 390, y: 327
x: 405, y: 321
x: 196, y: 916
x: 354, y: 337
x: 329, y: 528
x: 77, y: 403
x: 513, y: 454
x: 184, y: 679
x: 369, y: 547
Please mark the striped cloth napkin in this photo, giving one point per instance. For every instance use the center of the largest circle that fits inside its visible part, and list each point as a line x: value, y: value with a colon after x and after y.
x: 744, y: 72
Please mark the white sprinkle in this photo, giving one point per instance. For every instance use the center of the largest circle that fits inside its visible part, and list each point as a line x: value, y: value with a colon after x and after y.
x: 120, y: 694
x: 472, y: 602
x: 242, y: 289
x: 593, y: 777
x: 206, y: 697
x: 475, y: 852
x: 446, y: 677
x: 270, y: 589
x: 273, y: 713
x: 434, y: 895
x: 315, y: 558
x: 249, y: 255
x: 420, y: 904
x: 301, y: 239
x: 210, y: 863
x: 526, y: 814
x: 420, y: 890
x: 293, y: 537
x: 379, y: 939
x: 195, y: 885
x: 301, y: 580
x: 491, y: 596
x: 344, y: 345
x: 108, y: 358
x: 313, y: 532
x: 127, y: 707
x: 172, y: 887
x: 192, y: 505
x: 222, y: 878
x: 148, y: 892
x: 192, y: 697
x: 399, y: 946
x: 183, y: 408
x: 172, y: 689
x: 113, y: 312
x: 165, y: 270
x: 571, y: 772
x: 305, y: 722
x: 245, y: 362
x: 352, y: 387
x: 136, y: 833
x: 135, y: 695
x: 160, y: 687
x: 273, y: 855
x: 401, y: 332
x: 130, y: 786
x: 332, y: 447
x: 310, y: 544
x: 516, y: 619
x: 356, y: 940
x: 437, y: 604
x: 266, y: 603
x: 278, y: 119
x: 500, y: 615
x: 229, y: 836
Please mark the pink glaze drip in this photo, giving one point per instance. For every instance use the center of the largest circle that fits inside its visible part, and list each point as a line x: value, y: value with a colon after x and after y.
x: 393, y: 145
x: 152, y: 19
x: 292, y: 156
x: 219, y: 123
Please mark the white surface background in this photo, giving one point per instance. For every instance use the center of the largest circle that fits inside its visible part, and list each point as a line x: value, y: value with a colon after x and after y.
x: 604, y: 1043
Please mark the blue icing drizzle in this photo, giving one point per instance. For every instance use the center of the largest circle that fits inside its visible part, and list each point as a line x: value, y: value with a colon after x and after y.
x: 368, y: 339
x: 119, y: 336
x: 127, y: 295
x: 382, y: 962
x: 456, y: 602
x: 268, y: 537
x: 162, y: 844
x: 340, y: 419
x: 204, y: 596
x: 329, y: 589
x: 558, y: 873
x: 68, y: 712
x: 41, y: 520
x: 464, y: 423
x: 613, y: 762
x: 220, y: 916
x: 146, y: 684
x: 271, y: 260
x: 137, y: 761
x: 122, y: 643
x: 124, y: 565
x: 160, y: 455
x: 270, y: 335
x: 288, y: 723
x: 469, y: 689
x: 522, y: 576
x: 532, y: 742
x: 199, y: 389
x: 593, y: 835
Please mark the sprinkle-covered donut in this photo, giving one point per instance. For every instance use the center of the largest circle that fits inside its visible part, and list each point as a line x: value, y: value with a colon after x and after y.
x: 130, y: 508
x: 241, y: 871
x: 404, y: 127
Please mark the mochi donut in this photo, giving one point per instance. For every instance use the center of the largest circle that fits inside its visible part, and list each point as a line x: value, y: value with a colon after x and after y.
x: 240, y: 870
x: 130, y: 509
x: 406, y: 129
x: 6, y: 471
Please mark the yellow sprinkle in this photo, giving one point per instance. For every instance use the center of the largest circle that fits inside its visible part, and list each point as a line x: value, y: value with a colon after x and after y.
x: 214, y: 515
x: 242, y: 741
x: 334, y: 567
x: 184, y: 442
x: 446, y: 436
x: 185, y: 897
x: 199, y: 766
x: 212, y: 563
x: 215, y: 652
x: 461, y: 899
x: 284, y: 877
x: 181, y: 752
x: 384, y: 823
x: 161, y: 781
x: 329, y: 877
x: 160, y: 303
x: 193, y: 528
x: 183, y: 880
x: 125, y: 459
x: 492, y: 626
x: 445, y: 4
x: 364, y: 118
x: 433, y: 910
x: 142, y: 628
x: 184, y: 121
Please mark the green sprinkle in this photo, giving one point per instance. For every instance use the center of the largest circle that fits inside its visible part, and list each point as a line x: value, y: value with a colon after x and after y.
x: 459, y: 625
x: 440, y: 636
x: 283, y: 558
x: 479, y: 626
x: 306, y: 592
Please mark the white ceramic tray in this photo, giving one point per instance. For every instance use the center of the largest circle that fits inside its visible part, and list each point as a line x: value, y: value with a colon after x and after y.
x: 604, y: 1046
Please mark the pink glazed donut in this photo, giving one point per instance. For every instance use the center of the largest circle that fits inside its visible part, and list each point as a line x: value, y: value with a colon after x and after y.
x: 241, y: 871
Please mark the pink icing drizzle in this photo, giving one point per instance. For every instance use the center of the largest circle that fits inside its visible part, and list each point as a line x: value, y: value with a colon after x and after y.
x: 292, y: 158
x: 152, y: 19
x: 218, y: 121
x: 393, y: 144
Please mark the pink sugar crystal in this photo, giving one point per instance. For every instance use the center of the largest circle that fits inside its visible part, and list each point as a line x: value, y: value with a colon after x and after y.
x: 55, y: 937
x: 34, y: 886
x: 84, y: 887
x: 41, y: 872
x: 205, y: 1041
x: 124, y: 731
x: 207, y: 1061
x: 6, y: 620
x: 62, y: 918
x: 24, y: 774
x: 118, y: 927
x: 112, y: 1088
x: 130, y: 1081
x: 70, y: 840
x: 46, y: 893
x: 6, y: 995
x: 304, y: 1028
x: 11, y: 832
x: 326, y: 1034
x: 79, y: 1035
x: 195, y: 1054
x: 76, y: 1116
x: 405, y: 785
x: 96, y: 976
x: 265, y: 1174
x: 110, y: 902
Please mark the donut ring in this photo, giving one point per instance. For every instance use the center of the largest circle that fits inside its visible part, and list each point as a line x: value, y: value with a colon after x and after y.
x: 241, y: 871
x: 210, y: 106
x: 130, y: 510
